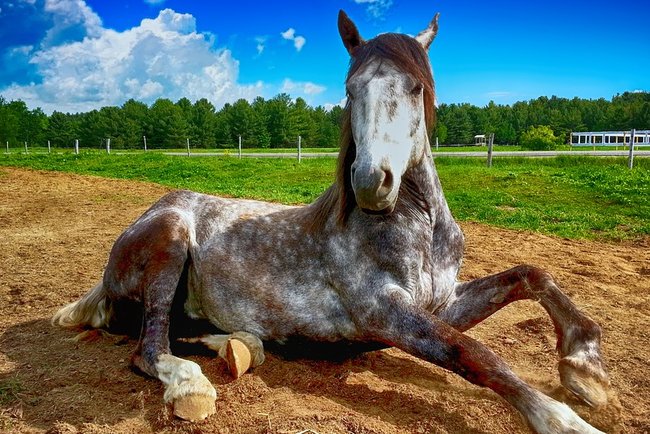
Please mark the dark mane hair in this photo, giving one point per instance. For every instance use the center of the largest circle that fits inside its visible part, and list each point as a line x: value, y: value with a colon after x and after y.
x: 405, y: 53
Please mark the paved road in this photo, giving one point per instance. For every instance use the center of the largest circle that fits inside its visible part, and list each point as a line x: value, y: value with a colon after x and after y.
x: 435, y: 154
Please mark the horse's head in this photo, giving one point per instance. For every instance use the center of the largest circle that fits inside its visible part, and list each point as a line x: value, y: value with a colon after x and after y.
x: 390, y: 98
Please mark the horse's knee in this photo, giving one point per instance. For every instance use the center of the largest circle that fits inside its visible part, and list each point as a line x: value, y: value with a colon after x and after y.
x: 535, y: 279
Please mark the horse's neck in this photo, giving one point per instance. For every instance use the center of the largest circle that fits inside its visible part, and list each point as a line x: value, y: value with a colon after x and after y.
x: 420, y: 189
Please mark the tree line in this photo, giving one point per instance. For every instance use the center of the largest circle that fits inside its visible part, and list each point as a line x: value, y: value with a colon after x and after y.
x: 272, y: 123
x: 277, y: 122
x: 458, y: 123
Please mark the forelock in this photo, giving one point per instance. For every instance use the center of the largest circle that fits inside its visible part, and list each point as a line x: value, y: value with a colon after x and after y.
x: 405, y: 54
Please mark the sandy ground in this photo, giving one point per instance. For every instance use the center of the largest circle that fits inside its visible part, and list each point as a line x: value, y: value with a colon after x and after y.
x: 55, y: 234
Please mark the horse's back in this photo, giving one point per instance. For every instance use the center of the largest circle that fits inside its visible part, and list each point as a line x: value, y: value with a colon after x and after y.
x: 205, y: 215
x: 177, y: 224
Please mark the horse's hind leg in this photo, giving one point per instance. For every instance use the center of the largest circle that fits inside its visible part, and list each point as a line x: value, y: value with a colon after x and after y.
x: 581, y: 366
x: 146, y: 265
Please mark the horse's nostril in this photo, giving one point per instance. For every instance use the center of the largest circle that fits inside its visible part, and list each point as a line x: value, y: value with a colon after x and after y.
x: 388, y: 180
x: 386, y: 184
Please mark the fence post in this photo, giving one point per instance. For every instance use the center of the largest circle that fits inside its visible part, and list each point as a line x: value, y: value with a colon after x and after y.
x: 436, y: 143
x: 145, y: 143
x: 489, y: 157
x: 630, y: 159
x: 49, y: 149
x: 7, y: 146
x: 76, y: 146
x: 188, y: 147
x: 239, y: 153
x: 26, y: 151
x: 108, y: 146
x: 299, y: 149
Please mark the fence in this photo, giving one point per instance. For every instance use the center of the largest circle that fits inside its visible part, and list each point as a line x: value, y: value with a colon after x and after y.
x: 605, y: 138
x: 188, y: 149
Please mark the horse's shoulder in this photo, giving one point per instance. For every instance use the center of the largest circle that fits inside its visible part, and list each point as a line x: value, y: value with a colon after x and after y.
x: 178, y: 198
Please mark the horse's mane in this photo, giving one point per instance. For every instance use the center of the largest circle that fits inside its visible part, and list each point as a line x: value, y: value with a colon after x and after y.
x: 405, y: 53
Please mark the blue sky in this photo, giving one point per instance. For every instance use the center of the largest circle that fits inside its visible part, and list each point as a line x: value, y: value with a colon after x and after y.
x: 76, y: 55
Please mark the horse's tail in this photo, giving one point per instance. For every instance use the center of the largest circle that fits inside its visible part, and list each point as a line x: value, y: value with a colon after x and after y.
x: 90, y: 310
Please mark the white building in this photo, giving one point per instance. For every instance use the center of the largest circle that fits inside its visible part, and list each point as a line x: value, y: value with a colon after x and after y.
x: 610, y: 138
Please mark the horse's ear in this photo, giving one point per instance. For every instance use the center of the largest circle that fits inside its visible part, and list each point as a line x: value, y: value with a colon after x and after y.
x: 426, y: 36
x: 349, y: 33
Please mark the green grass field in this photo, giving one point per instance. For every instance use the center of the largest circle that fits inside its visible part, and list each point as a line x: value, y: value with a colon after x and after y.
x: 572, y: 196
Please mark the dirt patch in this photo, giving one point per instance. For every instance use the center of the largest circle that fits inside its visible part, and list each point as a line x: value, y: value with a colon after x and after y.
x: 55, y: 234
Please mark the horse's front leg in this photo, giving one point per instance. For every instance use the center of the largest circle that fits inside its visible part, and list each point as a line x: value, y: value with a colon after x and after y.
x: 393, y: 321
x: 578, y: 337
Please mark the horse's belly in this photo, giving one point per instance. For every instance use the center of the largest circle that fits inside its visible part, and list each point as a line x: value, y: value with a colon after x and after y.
x: 272, y: 310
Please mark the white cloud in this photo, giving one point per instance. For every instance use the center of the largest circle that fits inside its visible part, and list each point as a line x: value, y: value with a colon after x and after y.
x: 313, y: 89
x: 298, y: 42
x: 329, y: 106
x: 376, y: 8
x: 161, y: 57
x: 72, y: 20
x: 261, y: 44
x: 154, y: 2
x: 22, y: 50
x: 498, y: 94
x: 290, y: 35
x: 302, y: 87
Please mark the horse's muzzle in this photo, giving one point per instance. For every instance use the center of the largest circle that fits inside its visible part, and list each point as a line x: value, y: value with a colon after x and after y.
x: 373, y: 188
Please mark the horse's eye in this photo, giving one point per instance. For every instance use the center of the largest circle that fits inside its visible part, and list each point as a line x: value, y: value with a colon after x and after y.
x: 417, y: 89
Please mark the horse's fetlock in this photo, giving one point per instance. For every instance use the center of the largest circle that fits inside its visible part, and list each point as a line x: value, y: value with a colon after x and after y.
x: 139, y: 363
x: 583, y: 337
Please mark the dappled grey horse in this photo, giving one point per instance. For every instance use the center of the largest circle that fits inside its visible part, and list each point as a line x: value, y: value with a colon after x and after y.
x: 374, y: 260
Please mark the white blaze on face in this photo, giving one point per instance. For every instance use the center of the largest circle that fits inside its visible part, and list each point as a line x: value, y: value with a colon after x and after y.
x: 388, y: 121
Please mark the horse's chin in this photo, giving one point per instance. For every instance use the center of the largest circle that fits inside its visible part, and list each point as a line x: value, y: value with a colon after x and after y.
x: 385, y: 211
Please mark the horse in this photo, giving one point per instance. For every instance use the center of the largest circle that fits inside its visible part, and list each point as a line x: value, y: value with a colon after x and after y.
x: 373, y: 262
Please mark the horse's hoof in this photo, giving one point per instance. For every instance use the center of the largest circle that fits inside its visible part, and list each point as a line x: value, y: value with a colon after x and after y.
x: 238, y: 357
x: 194, y: 408
x: 587, y: 382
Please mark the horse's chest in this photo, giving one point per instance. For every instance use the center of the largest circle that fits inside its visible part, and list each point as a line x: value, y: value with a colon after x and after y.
x: 395, y: 256
x: 422, y: 260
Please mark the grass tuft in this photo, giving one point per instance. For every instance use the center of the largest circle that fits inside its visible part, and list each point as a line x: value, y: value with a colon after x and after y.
x: 9, y: 390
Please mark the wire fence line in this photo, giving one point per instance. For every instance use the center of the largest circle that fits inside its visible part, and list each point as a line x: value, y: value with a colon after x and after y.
x: 489, y: 154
